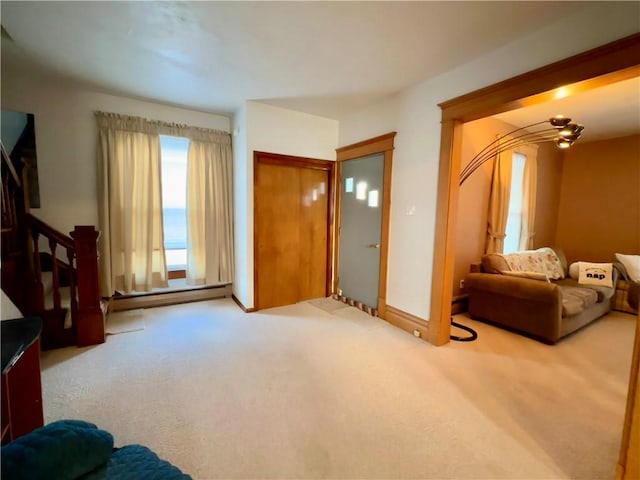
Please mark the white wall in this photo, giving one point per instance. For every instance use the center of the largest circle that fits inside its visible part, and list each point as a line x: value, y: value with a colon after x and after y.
x: 241, y: 204
x: 66, y: 139
x: 274, y: 130
x: 278, y: 130
x: 415, y: 115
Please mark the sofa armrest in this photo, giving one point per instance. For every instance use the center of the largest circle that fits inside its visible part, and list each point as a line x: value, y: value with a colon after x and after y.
x: 530, y: 306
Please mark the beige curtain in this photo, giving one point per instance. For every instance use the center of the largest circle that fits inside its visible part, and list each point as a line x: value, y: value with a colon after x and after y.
x: 130, y: 205
x: 529, y: 191
x: 209, y: 212
x: 499, y: 202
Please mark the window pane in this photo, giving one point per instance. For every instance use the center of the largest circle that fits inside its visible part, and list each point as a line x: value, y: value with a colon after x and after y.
x: 348, y: 185
x: 361, y: 190
x: 514, y: 218
x: 174, y: 198
x: 373, y: 198
x: 175, y: 228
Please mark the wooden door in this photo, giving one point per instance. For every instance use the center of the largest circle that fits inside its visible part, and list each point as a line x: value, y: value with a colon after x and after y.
x: 293, y: 236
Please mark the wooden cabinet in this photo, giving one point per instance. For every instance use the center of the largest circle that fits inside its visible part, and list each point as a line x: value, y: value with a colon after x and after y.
x: 21, y: 384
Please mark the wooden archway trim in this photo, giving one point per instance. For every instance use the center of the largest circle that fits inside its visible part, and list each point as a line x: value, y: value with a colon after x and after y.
x: 601, y: 66
x: 382, y: 144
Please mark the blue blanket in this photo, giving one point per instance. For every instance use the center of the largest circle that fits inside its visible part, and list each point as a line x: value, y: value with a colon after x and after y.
x: 62, y: 450
x: 77, y: 450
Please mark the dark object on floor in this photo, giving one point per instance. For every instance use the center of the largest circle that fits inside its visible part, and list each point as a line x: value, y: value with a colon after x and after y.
x: 473, y: 334
x: 77, y: 450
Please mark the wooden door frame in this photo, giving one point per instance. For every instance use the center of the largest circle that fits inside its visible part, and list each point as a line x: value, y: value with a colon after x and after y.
x: 382, y: 144
x: 267, y: 158
x: 595, y: 68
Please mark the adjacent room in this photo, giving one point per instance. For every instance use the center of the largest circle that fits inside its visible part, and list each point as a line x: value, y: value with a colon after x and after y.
x: 320, y: 239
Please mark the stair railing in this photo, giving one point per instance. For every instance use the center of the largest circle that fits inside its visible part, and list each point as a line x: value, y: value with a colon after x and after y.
x: 81, y: 267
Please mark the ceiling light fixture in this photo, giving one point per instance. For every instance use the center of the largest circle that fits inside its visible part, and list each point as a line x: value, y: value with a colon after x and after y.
x: 559, y: 129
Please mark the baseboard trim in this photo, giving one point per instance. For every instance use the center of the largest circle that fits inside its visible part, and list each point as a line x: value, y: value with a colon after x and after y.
x: 406, y: 321
x: 169, y: 298
x: 239, y: 303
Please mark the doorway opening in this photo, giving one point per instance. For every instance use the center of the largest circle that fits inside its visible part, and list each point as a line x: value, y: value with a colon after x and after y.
x: 604, y: 65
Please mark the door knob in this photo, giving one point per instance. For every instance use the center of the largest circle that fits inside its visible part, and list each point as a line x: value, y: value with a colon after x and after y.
x: 374, y: 245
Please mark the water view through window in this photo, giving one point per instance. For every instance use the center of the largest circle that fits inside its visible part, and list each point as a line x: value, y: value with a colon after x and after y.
x: 514, y: 218
x: 174, y: 198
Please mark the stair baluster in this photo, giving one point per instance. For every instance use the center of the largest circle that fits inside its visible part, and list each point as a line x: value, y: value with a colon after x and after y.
x: 57, y: 306
x: 72, y: 285
x: 37, y: 271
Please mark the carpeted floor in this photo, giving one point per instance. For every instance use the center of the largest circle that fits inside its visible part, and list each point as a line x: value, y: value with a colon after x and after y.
x: 125, y: 322
x: 301, y: 392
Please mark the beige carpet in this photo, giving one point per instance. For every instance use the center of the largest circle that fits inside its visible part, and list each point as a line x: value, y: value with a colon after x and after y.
x: 297, y: 392
x: 328, y: 304
x: 126, y: 321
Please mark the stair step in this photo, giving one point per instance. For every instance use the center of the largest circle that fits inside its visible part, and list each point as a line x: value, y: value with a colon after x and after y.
x: 65, y: 302
x: 47, y: 283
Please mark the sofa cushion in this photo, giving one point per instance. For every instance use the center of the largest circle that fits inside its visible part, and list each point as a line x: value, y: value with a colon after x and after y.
x: 604, y: 293
x: 552, y: 263
x: 525, y: 261
x: 494, y: 263
x: 563, y: 260
x: 544, y: 261
x: 576, y: 299
x: 631, y: 264
x: 600, y: 274
x: 529, y: 275
x: 574, y: 270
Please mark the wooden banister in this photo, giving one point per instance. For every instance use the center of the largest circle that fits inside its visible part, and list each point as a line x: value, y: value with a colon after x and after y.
x: 91, y: 319
x: 23, y: 246
x: 49, y: 232
x: 83, y: 279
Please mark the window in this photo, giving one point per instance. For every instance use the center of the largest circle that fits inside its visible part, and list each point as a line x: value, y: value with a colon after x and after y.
x: 173, y: 152
x: 514, y: 218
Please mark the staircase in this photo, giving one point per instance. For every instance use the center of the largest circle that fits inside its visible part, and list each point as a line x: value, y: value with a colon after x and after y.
x: 45, y: 272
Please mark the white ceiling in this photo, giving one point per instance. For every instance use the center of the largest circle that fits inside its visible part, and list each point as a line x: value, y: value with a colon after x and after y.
x: 318, y: 57
x: 606, y: 112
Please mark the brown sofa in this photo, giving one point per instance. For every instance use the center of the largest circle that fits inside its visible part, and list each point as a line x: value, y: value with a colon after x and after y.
x: 542, y: 309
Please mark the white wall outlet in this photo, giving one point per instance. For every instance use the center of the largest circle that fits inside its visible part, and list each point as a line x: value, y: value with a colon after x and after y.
x: 416, y: 333
x: 462, y: 283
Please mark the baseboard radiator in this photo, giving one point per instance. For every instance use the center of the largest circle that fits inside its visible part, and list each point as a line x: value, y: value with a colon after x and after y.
x: 174, y: 297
